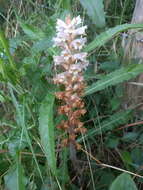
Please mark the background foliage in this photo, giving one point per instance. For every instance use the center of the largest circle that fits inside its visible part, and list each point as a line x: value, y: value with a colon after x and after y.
x: 30, y: 157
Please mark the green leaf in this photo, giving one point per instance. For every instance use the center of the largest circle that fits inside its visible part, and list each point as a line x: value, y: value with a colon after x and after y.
x: 112, y: 141
x: 118, y: 76
x: 2, y: 99
x: 2, y: 68
x: 95, y: 10
x: 130, y: 136
x: 137, y: 157
x: 109, y: 66
x: 20, y: 119
x: 109, y: 124
x: 106, y: 178
x: 107, y: 35
x: 42, y: 45
x: 66, y: 5
x: 15, y: 178
x: 8, y: 71
x: 115, y: 103
x: 123, y: 182
x: 63, y: 170
x: 126, y: 157
x: 5, y: 46
x: 46, y: 129
x: 33, y: 32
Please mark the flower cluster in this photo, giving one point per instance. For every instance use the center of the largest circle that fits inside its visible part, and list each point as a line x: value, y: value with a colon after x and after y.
x: 72, y: 62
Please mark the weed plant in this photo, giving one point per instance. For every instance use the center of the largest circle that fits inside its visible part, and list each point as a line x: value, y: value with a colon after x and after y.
x: 111, y: 156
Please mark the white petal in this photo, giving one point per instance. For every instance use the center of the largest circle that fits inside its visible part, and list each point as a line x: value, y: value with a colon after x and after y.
x: 78, y: 43
x: 80, y: 31
x: 58, y: 60
x: 76, y: 21
x: 61, y: 23
x: 66, y: 54
x: 80, y: 56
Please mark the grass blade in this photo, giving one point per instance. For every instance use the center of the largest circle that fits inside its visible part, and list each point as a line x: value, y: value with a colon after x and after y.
x: 5, y: 45
x: 8, y: 71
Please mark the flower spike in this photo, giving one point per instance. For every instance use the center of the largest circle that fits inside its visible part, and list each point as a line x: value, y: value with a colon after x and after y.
x: 70, y: 39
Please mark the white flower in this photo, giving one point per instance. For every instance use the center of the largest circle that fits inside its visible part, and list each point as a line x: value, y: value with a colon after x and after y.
x: 76, y: 86
x: 76, y: 68
x: 61, y: 78
x: 66, y: 30
x: 67, y: 55
x: 71, y: 60
x: 85, y: 64
x: 61, y: 25
x: 59, y: 42
x: 80, y: 56
x: 80, y: 31
x: 78, y: 43
x: 76, y: 21
x: 58, y: 60
x: 75, y: 97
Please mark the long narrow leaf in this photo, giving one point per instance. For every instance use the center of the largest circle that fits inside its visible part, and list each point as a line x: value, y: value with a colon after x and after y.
x: 46, y: 129
x: 2, y: 69
x: 9, y: 71
x: 107, y: 35
x: 5, y: 45
x: 109, y: 124
x: 115, y: 77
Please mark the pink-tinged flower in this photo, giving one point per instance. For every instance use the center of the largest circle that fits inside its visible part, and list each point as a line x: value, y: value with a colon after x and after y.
x: 80, y: 31
x: 80, y: 56
x: 76, y: 21
x: 61, y: 78
x: 70, y: 38
x: 61, y: 25
x: 58, y: 60
x: 78, y: 43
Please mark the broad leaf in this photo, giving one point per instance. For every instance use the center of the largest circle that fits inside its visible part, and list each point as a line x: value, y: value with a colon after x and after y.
x: 107, y: 35
x: 46, y: 129
x: 115, y: 77
x: 95, y: 10
x: 123, y: 182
